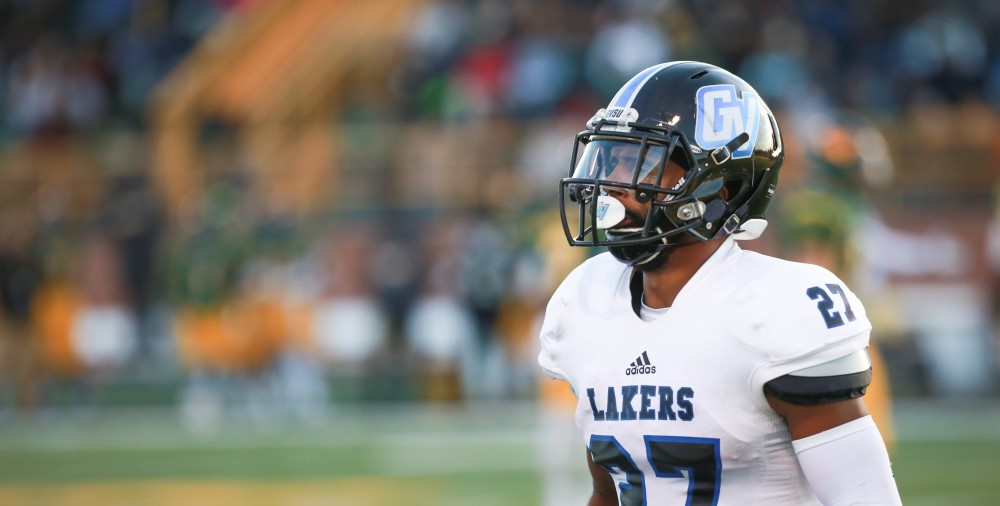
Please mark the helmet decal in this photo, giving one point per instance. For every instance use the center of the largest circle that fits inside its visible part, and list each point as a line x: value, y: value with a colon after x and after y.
x: 620, y: 117
x: 722, y: 115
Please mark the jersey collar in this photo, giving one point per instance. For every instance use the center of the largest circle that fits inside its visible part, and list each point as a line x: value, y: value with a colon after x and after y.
x: 728, y: 249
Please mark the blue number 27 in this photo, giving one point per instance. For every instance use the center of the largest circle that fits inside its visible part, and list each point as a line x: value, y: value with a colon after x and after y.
x: 668, y: 456
x: 825, y: 305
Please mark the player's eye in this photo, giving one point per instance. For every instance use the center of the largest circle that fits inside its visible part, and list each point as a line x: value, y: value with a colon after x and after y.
x: 612, y: 164
x: 651, y: 163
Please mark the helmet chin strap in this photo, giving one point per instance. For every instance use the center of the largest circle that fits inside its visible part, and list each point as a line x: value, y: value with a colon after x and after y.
x: 643, y: 257
x: 657, y: 259
x: 649, y: 256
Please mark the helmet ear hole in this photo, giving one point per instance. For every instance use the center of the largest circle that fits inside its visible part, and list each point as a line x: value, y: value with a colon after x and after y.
x: 735, y: 191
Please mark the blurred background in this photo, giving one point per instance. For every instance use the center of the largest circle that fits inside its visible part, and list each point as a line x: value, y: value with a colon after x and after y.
x: 295, y: 251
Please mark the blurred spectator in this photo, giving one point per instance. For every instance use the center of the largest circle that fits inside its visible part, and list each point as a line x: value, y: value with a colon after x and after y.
x: 52, y: 90
x: 627, y: 40
x: 440, y: 330
x: 485, y: 267
x: 778, y: 69
x: 133, y: 220
x: 540, y: 76
x: 105, y: 331
x: 148, y: 48
x: 20, y: 277
x: 348, y: 325
x: 944, y: 53
x: 283, y: 283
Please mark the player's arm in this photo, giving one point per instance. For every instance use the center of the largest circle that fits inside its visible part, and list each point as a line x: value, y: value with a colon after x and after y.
x: 604, y: 493
x: 837, y: 444
x: 822, y: 397
x: 804, y: 421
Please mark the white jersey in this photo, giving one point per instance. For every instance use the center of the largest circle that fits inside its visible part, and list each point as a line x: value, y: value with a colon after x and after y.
x: 675, y: 407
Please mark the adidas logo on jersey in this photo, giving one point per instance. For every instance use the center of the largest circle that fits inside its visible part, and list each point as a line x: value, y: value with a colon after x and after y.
x: 640, y: 366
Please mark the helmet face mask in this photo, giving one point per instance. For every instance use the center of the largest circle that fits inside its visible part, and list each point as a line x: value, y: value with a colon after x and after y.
x: 691, y: 142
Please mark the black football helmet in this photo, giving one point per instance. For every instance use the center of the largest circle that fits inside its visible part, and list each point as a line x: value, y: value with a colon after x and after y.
x: 709, y: 122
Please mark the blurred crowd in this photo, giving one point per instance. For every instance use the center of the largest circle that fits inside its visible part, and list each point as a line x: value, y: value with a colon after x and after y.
x: 251, y: 313
x: 537, y: 59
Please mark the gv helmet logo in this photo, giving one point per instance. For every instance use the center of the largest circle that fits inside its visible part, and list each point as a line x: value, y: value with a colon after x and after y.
x: 722, y: 115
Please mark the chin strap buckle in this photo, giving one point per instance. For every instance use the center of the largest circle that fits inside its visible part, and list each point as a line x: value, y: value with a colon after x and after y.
x: 723, y: 154
x: 731, y: 225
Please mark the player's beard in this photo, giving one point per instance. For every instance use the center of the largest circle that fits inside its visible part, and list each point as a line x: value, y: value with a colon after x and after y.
x: 645, y: 257
x: 642, y: 257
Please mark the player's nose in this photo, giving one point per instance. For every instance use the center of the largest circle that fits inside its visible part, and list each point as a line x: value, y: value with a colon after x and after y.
x: 626, y: 196
x: 621, y: 194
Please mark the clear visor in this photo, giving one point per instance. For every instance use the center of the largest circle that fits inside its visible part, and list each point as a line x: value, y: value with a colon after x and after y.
x: 617, y: 161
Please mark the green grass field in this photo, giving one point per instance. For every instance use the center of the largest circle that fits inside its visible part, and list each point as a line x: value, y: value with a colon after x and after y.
x: 474, y: 455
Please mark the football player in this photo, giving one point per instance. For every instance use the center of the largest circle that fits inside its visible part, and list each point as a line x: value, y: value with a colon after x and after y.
x: 704, y: 374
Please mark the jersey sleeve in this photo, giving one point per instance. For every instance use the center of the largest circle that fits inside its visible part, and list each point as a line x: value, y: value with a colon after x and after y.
x: 553, y: 354
x: 800, y: 318
x: 550, y: 337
